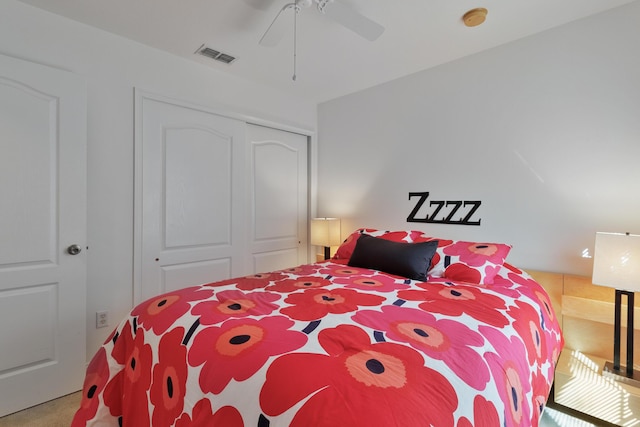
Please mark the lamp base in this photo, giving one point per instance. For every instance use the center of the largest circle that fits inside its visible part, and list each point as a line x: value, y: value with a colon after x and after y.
x: 621, y: 374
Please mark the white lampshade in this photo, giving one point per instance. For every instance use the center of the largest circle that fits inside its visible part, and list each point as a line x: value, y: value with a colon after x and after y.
x: 325, y: 232
x: 616, y: 261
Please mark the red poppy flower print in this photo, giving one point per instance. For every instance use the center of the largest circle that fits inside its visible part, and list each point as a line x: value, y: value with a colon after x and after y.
x: 298, y: 283
x: 121, y: 341
x: 441, y: 244
x: 160, y: 312
x: 545, y: 304
x: 377, y: 282
x: 541, y: 389
x: 512, y: 268
x: 528, y: 326
x: 203, y: 416
x: 114, y: 392
x: 126, y: 393
x: 340, y: 270
x: 455, y: 300
x: 234, y: 303
x: 358, y: 384
x: 111, y: 336
x: 94, y: 382
x: 477, y: 254
x: 346, y: 248
x: 508, y: 365
x: 239, y: 348
x: 485, y: 414
x: 169, y: 379
x: 549, y: 325
x: 462, y: 273
x: 529, y: 287
x: 249, y: 283
x: 302, y: 270
x: 314, y: 304
x: 444, y: 339
x: 507, y: 287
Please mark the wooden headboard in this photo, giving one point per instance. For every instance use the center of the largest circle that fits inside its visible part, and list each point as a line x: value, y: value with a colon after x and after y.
x: 586, y: 313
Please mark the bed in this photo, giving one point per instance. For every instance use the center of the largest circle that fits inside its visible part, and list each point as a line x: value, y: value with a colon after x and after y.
x: 397, y: 329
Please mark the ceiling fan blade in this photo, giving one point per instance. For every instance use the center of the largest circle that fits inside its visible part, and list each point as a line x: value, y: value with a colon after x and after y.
x: 353, y: 20
x: 278, y: 28
x: 259, y: 4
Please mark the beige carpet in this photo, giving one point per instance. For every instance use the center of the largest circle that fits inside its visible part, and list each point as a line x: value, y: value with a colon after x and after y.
x: 57, y: 413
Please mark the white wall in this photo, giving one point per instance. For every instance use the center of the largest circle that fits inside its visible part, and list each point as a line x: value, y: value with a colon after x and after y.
x: 112, y: 67
x: 545, y: 131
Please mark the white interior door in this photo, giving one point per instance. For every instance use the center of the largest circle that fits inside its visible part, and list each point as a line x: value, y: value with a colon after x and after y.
x: 189, y: 181
x: 279, y: 198
x: 42, y: 213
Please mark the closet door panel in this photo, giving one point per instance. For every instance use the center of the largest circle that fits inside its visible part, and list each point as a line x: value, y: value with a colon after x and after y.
x: 216, y: 197
x: 275, y: 193
x: 190, y: 171
x: 279, y: 201
x: 197, y: 179
x: 275, y: 260
x: 174, y: 277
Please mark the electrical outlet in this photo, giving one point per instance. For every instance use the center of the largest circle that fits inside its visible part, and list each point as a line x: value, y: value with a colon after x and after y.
x: 102, y: 319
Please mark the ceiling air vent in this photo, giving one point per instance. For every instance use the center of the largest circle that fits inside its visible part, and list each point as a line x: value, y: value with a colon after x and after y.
x: 214, y: 54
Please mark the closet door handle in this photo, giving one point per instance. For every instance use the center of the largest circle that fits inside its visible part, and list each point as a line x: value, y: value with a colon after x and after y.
x: 74, y: 250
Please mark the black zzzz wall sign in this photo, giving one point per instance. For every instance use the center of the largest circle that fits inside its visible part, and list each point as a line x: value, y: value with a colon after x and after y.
x: 459, y: 212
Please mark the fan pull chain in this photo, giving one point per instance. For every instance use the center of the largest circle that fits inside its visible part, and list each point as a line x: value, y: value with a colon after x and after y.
x: 295, y: 37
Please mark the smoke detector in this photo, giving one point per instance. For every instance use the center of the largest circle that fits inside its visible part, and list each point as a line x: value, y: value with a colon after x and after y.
x: 475, y: 17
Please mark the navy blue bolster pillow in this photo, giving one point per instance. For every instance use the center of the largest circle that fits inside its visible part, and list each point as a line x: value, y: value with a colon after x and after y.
x: 411, y: 260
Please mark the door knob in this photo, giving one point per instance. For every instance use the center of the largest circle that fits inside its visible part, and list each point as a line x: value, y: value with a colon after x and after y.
x: 74, y: 250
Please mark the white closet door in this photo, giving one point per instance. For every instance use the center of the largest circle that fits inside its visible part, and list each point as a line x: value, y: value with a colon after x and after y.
x: 190, y: 178
x: 42, y: 213
x: 279, y: 198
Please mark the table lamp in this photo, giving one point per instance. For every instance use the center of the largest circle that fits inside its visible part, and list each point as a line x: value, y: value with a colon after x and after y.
x: 325, y: 232
x: 616, y: 264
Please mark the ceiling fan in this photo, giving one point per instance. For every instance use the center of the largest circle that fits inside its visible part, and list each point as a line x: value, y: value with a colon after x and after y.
x: 334, y: 9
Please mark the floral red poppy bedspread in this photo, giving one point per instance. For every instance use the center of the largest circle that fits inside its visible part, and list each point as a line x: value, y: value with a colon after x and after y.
x: 326, y: 344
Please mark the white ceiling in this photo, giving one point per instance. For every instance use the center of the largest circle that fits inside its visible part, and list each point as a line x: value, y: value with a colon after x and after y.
x: 331, y: 60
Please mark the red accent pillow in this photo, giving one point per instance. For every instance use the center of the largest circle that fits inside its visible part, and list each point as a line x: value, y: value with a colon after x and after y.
x: 473, y: 262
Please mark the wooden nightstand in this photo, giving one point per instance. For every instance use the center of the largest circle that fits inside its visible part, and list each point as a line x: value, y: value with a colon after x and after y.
x: 579, y: 385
